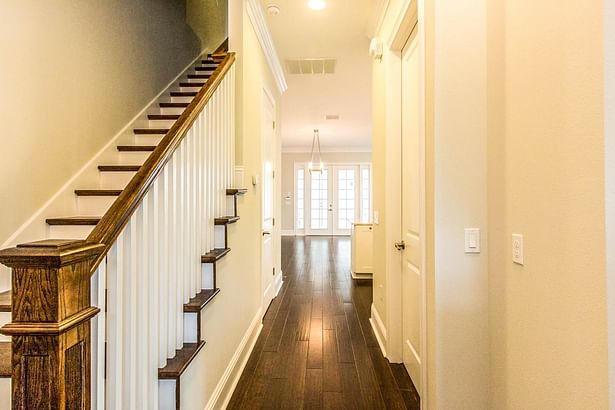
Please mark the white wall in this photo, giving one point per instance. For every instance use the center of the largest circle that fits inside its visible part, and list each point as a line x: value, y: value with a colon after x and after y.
x: 71, y: 77
x: 547, y: 182
x: 609, y: 163
x: 288, y: 177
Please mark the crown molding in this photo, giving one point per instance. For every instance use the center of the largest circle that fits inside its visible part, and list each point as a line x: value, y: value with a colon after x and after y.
x: 259, y: 22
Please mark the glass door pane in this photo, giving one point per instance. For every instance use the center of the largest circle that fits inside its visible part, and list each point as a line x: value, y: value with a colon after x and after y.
x: 346, y: 209
x: 319, y: 207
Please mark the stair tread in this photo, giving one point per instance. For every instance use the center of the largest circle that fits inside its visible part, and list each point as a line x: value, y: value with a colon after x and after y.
x: 236, y: 191
x: 174, y: 104
x: 188, y: 84
x: 74, y: 220
x: 226, y: 220
x: 5, y: 301
x: 136, y: 148
x: 177, y: 365
x: 183, y: 94
x: 199, y: 76
x: 98, y: 192
x: 119, y: 168
x: 205, y: 68
x: 150, y: 131
x: 5, y: 359
x: 166, y: 117
x: 215, y: 255
x: 208, y: 62
x: 197, y: 303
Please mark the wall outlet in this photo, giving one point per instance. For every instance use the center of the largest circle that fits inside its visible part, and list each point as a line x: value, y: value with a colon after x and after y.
x: 517, y: 248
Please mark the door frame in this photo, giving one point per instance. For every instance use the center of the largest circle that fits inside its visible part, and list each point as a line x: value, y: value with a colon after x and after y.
x: 412, y: 13
x: 275, y: 282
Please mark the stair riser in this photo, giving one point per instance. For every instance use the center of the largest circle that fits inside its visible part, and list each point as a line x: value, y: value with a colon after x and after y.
x: 148, y: 139
x: 171, y: 110
x: 133, y: 158
x: 5, y: 317
x: 115, y: 180
x: 207, y: 276
x: 161, y: 123
x: 230, y: 205
x: 191, y: 88
x: 69, y: 231
x: 94, y: 205
x: 190, y: 327
x: 219, y: 237
x: 182, y: 100
x: 166, y: 395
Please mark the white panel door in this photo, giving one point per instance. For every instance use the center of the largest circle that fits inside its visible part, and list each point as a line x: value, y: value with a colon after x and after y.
x: 411, y: 206
x: 267, y: 246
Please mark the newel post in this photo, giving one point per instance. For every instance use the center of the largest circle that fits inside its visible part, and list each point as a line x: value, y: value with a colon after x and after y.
x: 50, y: 325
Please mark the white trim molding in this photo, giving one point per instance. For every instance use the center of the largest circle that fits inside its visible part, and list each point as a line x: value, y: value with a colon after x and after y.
x: 259, y: 22
x: 379, y: 330
x: 288, y: 232
x: 223, y: 392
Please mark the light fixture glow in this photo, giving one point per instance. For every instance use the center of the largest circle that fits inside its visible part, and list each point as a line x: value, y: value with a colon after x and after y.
x: 317, y: 4
x: 316, y: 145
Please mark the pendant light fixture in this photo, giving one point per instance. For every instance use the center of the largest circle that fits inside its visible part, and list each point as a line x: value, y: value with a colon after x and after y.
x: 316, y: 166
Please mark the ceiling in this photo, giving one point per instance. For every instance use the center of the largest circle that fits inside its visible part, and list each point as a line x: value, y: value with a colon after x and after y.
x: 337, y: 32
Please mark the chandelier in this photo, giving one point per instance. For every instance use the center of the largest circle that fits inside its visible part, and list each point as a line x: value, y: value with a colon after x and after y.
x: 316, y: 166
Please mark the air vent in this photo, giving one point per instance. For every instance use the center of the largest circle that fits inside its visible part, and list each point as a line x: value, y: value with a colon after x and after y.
x: 311, y: 66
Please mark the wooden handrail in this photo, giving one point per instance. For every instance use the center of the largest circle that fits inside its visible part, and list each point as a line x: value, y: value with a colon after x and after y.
x: 116, y: 218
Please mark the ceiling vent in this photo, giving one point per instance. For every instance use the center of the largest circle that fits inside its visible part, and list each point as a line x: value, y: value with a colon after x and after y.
x: 311, y: 66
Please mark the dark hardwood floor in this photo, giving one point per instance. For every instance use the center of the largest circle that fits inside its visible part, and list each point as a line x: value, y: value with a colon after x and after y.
x: 317, y: 349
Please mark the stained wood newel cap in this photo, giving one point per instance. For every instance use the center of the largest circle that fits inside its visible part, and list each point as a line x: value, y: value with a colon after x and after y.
x: 50, y: 253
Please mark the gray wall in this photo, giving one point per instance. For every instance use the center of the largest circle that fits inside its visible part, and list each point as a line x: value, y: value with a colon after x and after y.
x: 73, y: 74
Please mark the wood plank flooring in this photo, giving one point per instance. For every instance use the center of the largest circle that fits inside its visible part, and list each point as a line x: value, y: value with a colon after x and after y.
x: 317, y: 349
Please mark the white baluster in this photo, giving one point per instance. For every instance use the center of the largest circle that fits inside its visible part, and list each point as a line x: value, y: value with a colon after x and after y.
x: 163, y: 255
x: 173, y: 197
x: 115, y: 324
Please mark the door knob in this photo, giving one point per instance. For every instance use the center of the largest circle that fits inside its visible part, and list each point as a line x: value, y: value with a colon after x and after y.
x: 266, y: 233
x: 400, y: 246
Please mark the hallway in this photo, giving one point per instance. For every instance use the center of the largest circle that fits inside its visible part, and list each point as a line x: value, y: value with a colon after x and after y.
x: 317, y: 348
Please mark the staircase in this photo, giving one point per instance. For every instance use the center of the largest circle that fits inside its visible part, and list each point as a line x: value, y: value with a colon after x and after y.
x: 147, y: 240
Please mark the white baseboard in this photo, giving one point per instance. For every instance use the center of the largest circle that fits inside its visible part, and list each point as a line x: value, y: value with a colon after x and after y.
x: 278, y: 283
x: 288, y: 232
x: 223, y: 392
x: 379, y: 329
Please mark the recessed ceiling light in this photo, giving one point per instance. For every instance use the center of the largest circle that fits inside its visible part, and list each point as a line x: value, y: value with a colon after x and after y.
x: 317, y: 4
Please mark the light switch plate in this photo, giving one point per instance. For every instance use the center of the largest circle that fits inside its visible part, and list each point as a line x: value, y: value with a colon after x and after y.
x: 517, y: 248
x: 472, y: 240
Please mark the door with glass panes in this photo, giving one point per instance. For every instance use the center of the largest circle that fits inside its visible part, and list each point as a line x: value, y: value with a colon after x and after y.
x: 329, y: 201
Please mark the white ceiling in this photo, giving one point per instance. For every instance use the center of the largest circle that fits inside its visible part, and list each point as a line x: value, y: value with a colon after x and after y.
x: 338, y: 31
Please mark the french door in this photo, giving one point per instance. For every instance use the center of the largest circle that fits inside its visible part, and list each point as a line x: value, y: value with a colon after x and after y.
x: 331, y: 201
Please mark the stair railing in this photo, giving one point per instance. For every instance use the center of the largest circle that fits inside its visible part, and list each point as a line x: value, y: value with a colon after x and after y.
x: 138, y: 267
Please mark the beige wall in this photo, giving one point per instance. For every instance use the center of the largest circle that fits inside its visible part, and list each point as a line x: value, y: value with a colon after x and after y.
x: 288, y: 177
x: 548, y: 321
x: 71, y: 77
x: 227, y: 319
x: 515, y: 144
x: 209, y: 20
